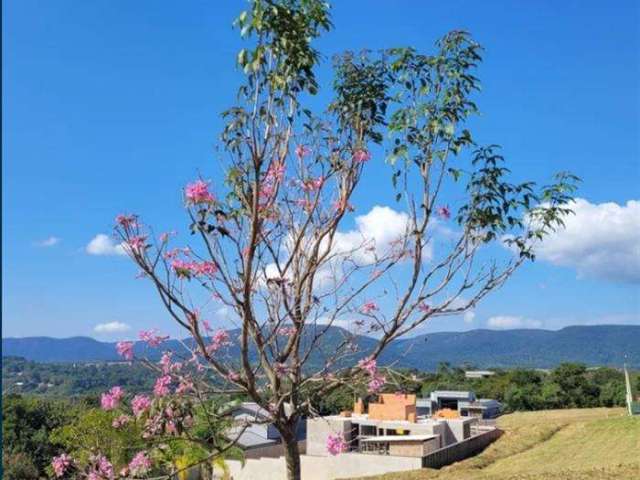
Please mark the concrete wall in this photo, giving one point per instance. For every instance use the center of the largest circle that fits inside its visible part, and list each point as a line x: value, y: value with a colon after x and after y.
x: 407, y: 449
x: 462, y: 450
x: 318, y: 429
x: 346, y: 465
x: 271, y: 451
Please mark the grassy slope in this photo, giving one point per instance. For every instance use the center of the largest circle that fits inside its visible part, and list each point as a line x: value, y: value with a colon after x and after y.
x: 587, y: 444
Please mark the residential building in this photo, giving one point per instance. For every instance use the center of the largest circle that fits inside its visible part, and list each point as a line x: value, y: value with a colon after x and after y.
x: 478, y: 373
x: 391, y: 427
x: 462, y: 403
x: 386, y: 436
x: 481, y: 408
x: 257, y: 437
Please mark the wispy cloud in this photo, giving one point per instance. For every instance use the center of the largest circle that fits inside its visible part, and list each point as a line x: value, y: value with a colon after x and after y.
x: 111, y: 327
x: 512, y: 321
x: 47, y: 242
x: 102, y: 244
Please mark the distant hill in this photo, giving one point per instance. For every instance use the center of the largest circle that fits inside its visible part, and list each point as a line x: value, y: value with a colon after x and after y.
x: 594, y: 345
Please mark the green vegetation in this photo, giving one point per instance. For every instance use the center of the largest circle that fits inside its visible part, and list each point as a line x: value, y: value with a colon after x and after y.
x: 569, y: 385
x: 71, y: 379
x: 91, y: 431
x: 573, y: 444
x: 26, y: 427
x: 37, y: 427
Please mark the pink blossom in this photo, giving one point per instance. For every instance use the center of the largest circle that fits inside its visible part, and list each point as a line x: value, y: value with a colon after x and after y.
x: 140, y: 464
x: 280, y: 368
x: 206, y: 325
x: 171, y: 427
x: 369, y: 307
x: 182, y: 268
x: 165, y: 362
x: 336, y: 444
x: 369, y: 365
x: 233, y: 376
x: 102, y: 468
x: 120, y: 421
x: 312, y: 184
x: 161, y: 387
x: 174, y: 253
x: 127, y: 221
x: 204, y: 268
x: 186, y: 269
x: 302, y: 150
x: 219, y: 339
x: 61, y: 464
x: 286, y: 331
x: 361, y: 156
x: 376, y: 383
x: 342, y: 204
x: 424, y: 307
x: 137, y: 243
x: 198, y: 192
x: 444, y: 212
x: 151, y: 338
x: 305, y: 204
x: 111, y: 399
x: 184, y: 386
x: 275, y: 172
x: 125, y: 349
x: 266, y: 192
x: 140, y: 404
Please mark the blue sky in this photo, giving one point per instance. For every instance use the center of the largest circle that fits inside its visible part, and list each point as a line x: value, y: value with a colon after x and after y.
x: 112, y: 106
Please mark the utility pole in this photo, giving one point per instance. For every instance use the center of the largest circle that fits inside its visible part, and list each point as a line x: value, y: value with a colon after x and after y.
x: 628, y: 386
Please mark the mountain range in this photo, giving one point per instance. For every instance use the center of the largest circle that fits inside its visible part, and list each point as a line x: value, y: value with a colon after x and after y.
x: 610, y: 345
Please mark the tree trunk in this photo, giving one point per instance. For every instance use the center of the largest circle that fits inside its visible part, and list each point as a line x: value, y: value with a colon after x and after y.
x: 291, y: 455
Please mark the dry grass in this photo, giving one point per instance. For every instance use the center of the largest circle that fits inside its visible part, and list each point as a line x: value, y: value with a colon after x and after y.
x: 580, y: 444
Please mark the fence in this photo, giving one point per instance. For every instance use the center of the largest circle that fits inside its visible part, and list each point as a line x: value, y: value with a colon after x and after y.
x: 461, y: 450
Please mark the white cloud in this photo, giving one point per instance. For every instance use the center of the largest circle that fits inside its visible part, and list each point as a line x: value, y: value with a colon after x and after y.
x: 512, y: 321
x: 111, y: 327
x: 370, y: 239
x: 48, y: 242
x: 600, y: 240
x: 373, y: 235
x: 102, y: 244
x: 469, y: 316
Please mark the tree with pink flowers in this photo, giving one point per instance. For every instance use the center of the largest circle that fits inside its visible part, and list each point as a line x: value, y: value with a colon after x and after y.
x: 273, y: 241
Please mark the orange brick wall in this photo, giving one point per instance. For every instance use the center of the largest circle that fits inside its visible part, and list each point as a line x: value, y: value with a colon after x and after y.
x: 393, y: 407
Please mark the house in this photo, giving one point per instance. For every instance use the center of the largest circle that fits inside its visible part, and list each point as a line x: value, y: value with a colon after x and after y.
x: 256, y: 436
x: 481, y: 408
x: 388, y: 435
x: 391, y: 427
x: 478, y: 373
x: 441, y: 399
x: 462, y: 403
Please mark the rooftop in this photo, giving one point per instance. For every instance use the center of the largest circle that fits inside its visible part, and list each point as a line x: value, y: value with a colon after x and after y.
x: 254, y: 436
